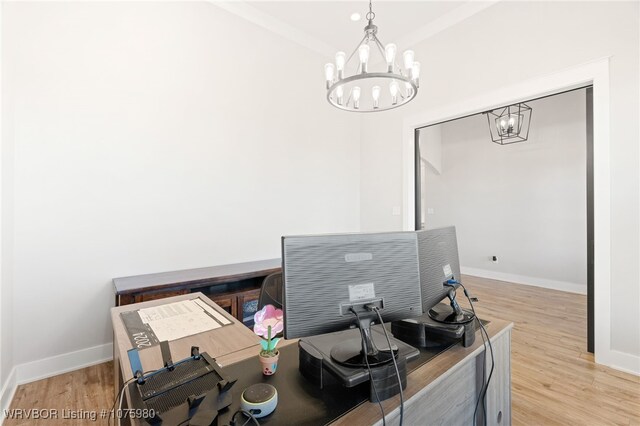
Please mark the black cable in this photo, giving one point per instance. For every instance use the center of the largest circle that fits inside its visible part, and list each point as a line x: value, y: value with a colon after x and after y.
x: 483, y: 332
x: 484, y: 375
x: 395, y: 364
x: 486, y: 388
x: 373, y: 384
x: 249, y: 415
x: 483, y: 392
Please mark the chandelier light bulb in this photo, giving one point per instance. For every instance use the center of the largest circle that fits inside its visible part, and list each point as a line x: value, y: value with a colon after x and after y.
x: 503, y: 126
x: 390, y: 55
x: 340, y: 61
x: 339, y: 94
x: 375, y: 93
x: 363, y: 53
x: 409, y: 88
x: 356, y: 93
x: 328, y: 73
x: 393, y: 89
x: 415, y: 72
x: 356, y: 97
x: 408, y: 60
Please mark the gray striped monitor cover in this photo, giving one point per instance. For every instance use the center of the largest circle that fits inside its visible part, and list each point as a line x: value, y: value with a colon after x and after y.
x: 438, y: 250
x: 321, y: 273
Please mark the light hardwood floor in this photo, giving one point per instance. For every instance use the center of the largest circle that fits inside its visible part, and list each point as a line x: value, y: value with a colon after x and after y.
x: 554, y: 378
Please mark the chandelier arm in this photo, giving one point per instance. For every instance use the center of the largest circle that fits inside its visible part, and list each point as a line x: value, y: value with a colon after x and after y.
x: 380, y: 46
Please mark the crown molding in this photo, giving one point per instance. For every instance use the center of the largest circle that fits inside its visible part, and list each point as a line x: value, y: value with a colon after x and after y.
x: 243, y: 10
x: 275, y: 25
x: 445, y: 21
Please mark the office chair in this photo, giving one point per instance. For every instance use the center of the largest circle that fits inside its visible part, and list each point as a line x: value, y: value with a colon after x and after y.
x: 271, y: 291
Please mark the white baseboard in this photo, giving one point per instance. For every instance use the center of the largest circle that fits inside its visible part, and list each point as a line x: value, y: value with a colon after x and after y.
x: 622, y: 361
x: 48, y: 367
x: 522, y: 279
x: 59, y: 364
x: 7, y: 392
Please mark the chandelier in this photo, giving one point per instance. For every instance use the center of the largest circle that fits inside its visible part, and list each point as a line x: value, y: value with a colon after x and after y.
x: 509, y: 124
x: 367, y: 91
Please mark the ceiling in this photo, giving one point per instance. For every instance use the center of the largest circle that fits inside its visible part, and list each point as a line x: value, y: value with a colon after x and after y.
x: 326, y: 27
x: 330, y: 21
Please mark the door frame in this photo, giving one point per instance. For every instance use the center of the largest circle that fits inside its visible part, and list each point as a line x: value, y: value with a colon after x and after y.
x: 595, y: 73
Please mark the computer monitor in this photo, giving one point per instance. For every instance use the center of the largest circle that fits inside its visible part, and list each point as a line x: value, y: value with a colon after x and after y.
x: 329, y: 278
x: 439, y: 262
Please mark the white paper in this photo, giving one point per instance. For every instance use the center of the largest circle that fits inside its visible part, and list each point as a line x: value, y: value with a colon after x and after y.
x: 177, y: 320
x: 169, y: 310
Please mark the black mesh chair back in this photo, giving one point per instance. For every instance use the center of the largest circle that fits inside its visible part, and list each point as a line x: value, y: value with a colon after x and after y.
x: 271, y: 291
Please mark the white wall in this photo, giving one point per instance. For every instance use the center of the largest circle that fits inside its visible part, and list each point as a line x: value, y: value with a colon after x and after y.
x: 152, y: 137
x: 430, y: 140
x: 524, y: 202
x: 7, y: 377
x: 545, y: 37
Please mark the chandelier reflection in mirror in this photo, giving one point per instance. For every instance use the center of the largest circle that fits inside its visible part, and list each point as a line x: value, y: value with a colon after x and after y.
x: 510, y: 124
x: 368, y: 90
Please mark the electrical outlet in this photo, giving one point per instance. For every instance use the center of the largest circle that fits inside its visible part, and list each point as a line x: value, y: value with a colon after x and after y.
x: 494, y: 259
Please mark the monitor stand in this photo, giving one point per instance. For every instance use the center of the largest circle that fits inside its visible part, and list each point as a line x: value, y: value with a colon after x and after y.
x: 442, y: 314
x: 455, y: 315
x: 441, y: 325
x: 362, y: 352
x: 318, y: 365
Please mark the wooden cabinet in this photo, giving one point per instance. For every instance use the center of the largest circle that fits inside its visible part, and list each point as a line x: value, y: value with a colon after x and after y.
x: 145, y: 297
x: 242, y: 304
x: 228, y: 302
x: 235, y: 287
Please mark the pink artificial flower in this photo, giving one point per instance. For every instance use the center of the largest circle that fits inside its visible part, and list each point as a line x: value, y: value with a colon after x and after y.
x: 268, y: 316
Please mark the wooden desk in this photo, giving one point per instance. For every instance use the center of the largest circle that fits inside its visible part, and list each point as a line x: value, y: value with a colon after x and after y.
x: 220, y: 343
x: 442, y: 391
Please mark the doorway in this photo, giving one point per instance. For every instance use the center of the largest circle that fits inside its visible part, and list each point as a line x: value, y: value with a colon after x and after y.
x: 520, y: 193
